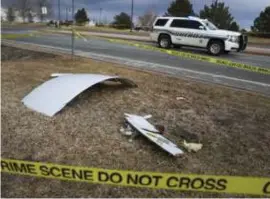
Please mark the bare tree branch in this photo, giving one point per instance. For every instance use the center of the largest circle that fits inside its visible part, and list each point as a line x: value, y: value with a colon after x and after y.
x: 24, y: 6
x: 147, y: 19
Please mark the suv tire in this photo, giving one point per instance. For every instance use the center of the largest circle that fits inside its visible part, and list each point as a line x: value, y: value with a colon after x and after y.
x: 164, y: 41
x: 215, y: 47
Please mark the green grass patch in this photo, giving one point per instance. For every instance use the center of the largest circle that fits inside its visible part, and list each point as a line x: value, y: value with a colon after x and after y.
x: 14, y: 36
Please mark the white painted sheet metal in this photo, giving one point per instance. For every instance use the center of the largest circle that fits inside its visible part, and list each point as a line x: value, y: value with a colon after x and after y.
x: 149, y: 131
x: 61, y: 74
x: 51, y: 96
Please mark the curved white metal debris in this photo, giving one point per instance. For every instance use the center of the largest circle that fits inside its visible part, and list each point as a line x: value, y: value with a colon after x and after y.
x: 149, y: 131
x: 60, y: 74
x: 51, y: 96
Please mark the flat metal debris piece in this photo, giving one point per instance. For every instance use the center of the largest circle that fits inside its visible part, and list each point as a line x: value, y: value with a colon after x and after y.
x: 51, y: 96
x: 149, y: 131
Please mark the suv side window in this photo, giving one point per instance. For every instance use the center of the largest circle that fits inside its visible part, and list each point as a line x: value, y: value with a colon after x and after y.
x: 194, y: 24
x: 161, y: 22
x: 179, y: 23
x: 190, y: 24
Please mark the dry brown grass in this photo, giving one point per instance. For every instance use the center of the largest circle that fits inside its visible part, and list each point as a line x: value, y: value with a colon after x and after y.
x: 258, y: 40
x: 233, y: 126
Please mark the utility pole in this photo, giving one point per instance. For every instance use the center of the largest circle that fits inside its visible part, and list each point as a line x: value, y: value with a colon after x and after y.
x: 72, y: 36
x: 59, y: 15
x: 214, y: 2
x: 100, y: 16
x: 66, y: 14
x: 131, y: 17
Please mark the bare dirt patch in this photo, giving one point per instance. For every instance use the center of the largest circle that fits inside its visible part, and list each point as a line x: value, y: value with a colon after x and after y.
x: 233, y: 126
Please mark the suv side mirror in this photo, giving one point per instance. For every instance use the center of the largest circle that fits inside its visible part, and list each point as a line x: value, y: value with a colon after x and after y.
x: 201, y: 28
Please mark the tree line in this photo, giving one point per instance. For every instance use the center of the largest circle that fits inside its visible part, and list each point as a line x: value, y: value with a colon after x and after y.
x: 217, y: 12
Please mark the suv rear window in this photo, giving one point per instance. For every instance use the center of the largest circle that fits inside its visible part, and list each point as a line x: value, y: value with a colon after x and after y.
x: 179, y: 23
x: 161, y: 22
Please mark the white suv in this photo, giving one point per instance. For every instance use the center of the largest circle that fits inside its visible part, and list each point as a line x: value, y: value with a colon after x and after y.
x: 196, y: 32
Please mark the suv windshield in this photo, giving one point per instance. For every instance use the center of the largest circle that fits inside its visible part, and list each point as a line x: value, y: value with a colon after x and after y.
x: 210, y: 25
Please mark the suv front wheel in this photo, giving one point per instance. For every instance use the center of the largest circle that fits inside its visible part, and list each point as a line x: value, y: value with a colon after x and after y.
x: 164, y: 41
x: 215, y: 47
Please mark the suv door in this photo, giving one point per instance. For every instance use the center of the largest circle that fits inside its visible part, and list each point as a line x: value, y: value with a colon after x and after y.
x: 196, y: 36
x: 188, y: 32
x: 178, y: 30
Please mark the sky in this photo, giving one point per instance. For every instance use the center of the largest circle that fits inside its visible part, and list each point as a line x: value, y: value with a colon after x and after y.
x: 244, y: 11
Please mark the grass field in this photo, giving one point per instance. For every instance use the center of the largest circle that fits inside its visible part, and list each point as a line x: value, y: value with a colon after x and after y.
x: 258, y: 40
x: 233, y: 126
x: 18, y: 24
x: 14, y: 36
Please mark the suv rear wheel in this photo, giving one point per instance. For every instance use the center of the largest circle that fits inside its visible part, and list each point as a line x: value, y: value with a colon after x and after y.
x: 164, y: 41
x: 215, y: 47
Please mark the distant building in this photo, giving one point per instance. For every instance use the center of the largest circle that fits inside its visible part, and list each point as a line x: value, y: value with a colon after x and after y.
x: 91, y: 23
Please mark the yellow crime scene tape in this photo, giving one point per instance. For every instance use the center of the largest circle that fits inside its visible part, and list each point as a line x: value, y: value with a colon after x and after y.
x: 80, y: 36
x: 157, y: 180
x: 197, y: 57
x: 184, y: 54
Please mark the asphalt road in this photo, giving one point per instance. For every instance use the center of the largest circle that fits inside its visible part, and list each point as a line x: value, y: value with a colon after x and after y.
x: 103, y: 47
x: 255, y: 60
